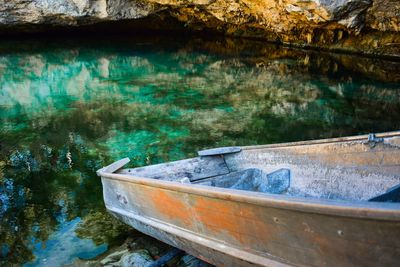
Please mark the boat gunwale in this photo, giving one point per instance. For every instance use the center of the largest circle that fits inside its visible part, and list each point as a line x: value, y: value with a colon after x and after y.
x: 343, y: 208
x: 363, y: 137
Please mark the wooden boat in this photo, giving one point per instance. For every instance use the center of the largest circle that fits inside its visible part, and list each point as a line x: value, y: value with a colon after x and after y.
x: 333, y: 202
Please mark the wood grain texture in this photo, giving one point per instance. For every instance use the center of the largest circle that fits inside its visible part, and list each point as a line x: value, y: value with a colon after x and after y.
x: 194, y: 169
x: 219, y: 151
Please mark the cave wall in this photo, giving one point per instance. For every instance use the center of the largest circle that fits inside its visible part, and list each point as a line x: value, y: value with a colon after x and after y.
x: 362, y: 26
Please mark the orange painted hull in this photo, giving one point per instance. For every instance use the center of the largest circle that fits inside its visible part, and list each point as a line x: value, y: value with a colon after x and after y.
x: 228, y: 227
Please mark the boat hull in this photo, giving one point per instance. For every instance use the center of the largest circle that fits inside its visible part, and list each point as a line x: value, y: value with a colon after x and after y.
x: 330, y: 221
x: 208, y: 250
x: 235, y: 228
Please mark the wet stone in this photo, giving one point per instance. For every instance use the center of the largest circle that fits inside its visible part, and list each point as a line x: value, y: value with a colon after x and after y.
x: 153, y: 246
x: 113, y: 257
x: 190, y: 261
x: 139, y: 258
x: 139, y: 252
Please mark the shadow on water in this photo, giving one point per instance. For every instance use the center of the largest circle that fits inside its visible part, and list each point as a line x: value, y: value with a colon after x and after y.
x: 68, y: 107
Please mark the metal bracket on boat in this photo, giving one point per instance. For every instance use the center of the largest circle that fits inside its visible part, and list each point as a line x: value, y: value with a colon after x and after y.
x: 113, y: 167
x: 219, y: 151
x: 373, y: 140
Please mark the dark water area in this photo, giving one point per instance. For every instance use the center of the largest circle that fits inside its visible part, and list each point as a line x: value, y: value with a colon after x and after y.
x: 69, y: 107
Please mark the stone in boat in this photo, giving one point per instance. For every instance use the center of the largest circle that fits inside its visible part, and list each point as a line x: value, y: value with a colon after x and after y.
x: 332, y: 202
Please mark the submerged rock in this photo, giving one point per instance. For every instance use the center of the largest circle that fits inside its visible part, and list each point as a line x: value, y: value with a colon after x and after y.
x: 190, y: 261
x: 367, y: 26
x: 139, y: 251
x: 114, y: 257
x: 138, y: 258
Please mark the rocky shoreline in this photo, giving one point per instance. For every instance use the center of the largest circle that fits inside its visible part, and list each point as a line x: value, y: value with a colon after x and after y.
x: 139, y: 251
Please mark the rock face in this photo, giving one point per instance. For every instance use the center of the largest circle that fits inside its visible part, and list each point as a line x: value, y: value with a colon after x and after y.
x: 71, y: 12
x: 365, y: 26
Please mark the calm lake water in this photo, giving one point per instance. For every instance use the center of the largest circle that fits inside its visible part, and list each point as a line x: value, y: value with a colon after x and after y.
x: 69, y: 107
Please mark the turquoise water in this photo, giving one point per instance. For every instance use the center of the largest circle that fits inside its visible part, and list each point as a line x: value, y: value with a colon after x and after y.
x: 69, y: 107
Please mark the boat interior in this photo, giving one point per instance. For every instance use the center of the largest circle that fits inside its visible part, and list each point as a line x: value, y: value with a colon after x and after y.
x: 352, y: 170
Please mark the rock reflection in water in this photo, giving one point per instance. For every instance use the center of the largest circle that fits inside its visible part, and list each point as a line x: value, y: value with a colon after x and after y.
x: 66, y: 110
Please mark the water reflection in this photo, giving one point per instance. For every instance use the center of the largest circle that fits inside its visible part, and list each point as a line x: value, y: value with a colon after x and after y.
x: 66, y: 109
x: 64, y: 244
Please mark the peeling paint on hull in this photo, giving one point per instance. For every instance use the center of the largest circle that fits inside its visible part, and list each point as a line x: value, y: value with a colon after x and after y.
x: 228, y: 227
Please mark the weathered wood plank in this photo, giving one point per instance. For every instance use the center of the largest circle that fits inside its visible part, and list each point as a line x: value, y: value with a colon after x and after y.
x: 194, y: 169
x: 219, y: 151
x: 116, y: 165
